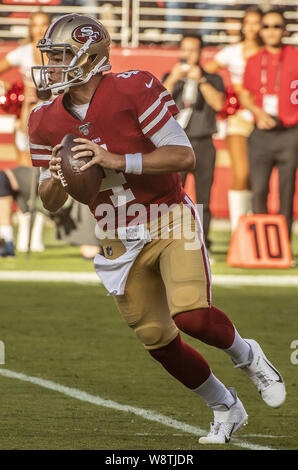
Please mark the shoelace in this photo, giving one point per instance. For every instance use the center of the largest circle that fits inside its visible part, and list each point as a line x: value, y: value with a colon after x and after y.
x: 242, y: 364
x: 214, y: 429
x: 265, y: 380
x: 218, y: 428
x: 260, y: 378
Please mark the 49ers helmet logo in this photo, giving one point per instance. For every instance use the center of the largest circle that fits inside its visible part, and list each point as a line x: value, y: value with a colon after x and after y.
x: 84, y: 32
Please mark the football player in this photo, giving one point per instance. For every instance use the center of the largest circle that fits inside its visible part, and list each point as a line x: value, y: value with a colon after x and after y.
x: 160, y: 281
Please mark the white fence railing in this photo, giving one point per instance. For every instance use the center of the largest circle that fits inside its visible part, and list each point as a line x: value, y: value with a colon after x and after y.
x: 135, y: 22
x: 115, y: 15
x: 217, y: 21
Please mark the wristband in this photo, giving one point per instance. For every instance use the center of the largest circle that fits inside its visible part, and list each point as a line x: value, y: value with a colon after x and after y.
x: 134, y: 163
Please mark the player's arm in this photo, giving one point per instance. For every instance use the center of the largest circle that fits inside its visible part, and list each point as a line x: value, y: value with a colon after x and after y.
x: 50, y: 190
x: 166, y: 159
x: 154, y: 108
x: 173, y: 153
x: 43, y: 155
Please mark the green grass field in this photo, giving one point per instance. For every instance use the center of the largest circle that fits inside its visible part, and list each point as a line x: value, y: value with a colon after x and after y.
x: 73, y: 336
x: 61, y: 257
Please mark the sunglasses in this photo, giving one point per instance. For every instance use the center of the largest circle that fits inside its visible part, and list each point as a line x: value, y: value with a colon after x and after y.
x: 274, y: 26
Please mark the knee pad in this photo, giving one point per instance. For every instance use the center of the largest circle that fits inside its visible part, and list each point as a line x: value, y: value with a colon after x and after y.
x: 149, y: 335
x: 5, y: 186
x: 155, y: 336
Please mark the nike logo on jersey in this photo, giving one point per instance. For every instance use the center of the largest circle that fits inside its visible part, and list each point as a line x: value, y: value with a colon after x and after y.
x: 148, y: 85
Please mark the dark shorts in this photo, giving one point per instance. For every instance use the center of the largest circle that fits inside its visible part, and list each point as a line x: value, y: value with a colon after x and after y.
x: 5, y: 186
x: 24, y: 176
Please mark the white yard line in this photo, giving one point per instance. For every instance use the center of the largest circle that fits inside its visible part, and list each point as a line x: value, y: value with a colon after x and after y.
x: 91, y: 278
x: 142, y: 413
x: 269, y: 436
x: 230, y: 280
x: 49, y: 276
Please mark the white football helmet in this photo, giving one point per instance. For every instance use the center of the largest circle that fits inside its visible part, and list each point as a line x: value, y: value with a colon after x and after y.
x: 88, y: 41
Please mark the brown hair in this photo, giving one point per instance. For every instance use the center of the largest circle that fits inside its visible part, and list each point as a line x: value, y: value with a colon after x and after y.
x: 248, y: 11
x: 29, y: 37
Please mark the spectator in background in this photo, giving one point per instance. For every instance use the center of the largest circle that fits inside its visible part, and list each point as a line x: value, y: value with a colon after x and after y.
x: 15, y: 184
x: 233, y: 26
x: 239, y: 125
x: 170, y: 17
x: 209, y: 15
x: 198, y: 95
x: 23, y: 57
x: 268, y: 93
x: 211, y: 7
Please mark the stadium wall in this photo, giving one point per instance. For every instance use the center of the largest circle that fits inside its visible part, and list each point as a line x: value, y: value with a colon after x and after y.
x: 158, y: 60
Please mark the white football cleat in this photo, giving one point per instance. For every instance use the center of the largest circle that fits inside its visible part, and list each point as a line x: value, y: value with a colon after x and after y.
x: 226, y: 422
x: 266, y: 378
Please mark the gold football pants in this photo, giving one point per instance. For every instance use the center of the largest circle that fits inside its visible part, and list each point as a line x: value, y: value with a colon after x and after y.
x: 169, y: 276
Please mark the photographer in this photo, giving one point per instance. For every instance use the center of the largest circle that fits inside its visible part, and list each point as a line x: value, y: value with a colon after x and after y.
x: 198, y: 95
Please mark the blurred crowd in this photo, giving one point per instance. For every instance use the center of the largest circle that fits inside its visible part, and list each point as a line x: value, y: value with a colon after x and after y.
x: 216, y: 26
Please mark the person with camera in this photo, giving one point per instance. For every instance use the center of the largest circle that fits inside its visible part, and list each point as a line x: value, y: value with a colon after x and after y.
x: 269, y: 78
x: 199, y: 96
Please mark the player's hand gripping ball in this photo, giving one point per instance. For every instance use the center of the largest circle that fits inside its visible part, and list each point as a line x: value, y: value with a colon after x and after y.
x: 81, y: 185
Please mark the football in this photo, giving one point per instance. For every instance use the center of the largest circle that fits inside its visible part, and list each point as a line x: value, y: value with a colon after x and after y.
x: 81, y: 185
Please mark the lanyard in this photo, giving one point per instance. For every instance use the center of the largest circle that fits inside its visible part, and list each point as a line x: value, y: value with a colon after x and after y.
x: 264, y: 79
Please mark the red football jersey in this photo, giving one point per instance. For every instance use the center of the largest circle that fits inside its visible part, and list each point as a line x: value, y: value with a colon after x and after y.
x: 126, y: 109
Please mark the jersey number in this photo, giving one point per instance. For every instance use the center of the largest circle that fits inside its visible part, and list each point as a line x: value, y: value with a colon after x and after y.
x: 114, y: 181
x: 128, y: 74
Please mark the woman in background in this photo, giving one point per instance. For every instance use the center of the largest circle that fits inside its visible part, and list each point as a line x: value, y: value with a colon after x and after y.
x: 239, y: 125
x: 24, y: 57
x: 18, y: 180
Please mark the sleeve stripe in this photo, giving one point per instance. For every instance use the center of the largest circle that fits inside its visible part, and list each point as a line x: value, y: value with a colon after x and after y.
x: 158, y: 117
x: 40, y: 147
x: 153, y: 106
x: 41, y: 157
